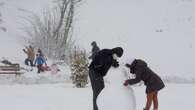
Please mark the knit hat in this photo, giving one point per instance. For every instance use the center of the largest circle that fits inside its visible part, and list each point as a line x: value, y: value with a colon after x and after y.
x: 118, y: 51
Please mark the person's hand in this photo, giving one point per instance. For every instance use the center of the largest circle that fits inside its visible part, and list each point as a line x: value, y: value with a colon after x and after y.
x: 125, y: 83
x: 115, y: 64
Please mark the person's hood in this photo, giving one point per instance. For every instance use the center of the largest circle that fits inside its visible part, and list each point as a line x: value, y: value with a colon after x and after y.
x: 118, y: 51
x: 93, y: 43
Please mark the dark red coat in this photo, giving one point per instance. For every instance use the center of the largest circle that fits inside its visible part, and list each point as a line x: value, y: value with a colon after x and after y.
x: 152, y: 81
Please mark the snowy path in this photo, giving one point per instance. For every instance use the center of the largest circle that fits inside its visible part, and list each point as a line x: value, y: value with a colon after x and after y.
x: 44, y: 97
x: 64, y: 97
x: 173, y: 97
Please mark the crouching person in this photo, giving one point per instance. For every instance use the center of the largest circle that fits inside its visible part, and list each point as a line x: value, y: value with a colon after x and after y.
x: 39, y: 61
x: 151, y: 80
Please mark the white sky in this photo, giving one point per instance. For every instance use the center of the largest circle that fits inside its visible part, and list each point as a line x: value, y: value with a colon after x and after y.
x: 132, y: 24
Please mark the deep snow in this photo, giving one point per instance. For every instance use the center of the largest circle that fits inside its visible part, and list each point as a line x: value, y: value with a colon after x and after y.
x: 65, y: 97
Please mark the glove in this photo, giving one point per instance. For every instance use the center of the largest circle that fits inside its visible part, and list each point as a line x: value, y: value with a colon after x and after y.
x: 125, y: 83
x: 115, y: 64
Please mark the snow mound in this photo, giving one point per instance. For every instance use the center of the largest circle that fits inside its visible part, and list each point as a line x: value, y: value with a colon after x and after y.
x: 115, y: 96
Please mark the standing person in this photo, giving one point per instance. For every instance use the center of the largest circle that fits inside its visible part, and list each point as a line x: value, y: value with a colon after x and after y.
x: 40, y: 61
x: 94, y: 49
x: 98, y: 68
x: 152, y: 81
x: 40, y: 52
x: 30, y: 55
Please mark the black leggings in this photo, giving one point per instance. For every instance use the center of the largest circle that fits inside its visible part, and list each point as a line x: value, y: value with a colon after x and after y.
x: 97, y: 84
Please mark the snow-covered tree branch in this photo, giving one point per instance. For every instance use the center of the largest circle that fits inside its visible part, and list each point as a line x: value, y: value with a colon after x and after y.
x: 1, y: 19
x: 52, y: 32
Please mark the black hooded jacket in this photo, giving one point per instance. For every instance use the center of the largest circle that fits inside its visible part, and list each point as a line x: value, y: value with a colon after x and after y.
x: 103, y: 60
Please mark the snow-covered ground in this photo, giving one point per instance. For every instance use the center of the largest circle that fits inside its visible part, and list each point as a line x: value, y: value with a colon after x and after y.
x: 172, y: 97
x: 45, y: 97
x: 65, y: 97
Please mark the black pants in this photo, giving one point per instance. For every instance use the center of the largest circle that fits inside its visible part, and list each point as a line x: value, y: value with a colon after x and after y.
x: 40, y: 68
x: 97, y: 84
x: 28, y: 60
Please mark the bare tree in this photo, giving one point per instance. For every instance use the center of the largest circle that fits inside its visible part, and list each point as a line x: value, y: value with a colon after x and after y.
x: 52, y: 32
x: 1, y: 19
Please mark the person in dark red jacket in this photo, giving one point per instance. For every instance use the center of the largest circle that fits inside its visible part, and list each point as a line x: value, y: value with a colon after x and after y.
x: 152, y: 81
x: 99, y: 67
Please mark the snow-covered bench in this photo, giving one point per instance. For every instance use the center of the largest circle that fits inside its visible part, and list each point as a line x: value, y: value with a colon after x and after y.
x: 10, y: 69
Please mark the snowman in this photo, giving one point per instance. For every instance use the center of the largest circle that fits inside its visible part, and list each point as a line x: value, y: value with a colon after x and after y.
x: 115, y: 96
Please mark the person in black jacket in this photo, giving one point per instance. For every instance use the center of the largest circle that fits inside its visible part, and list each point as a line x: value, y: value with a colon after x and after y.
x: 94, y: 50
x: 152, y: 81
x: 98, y: 68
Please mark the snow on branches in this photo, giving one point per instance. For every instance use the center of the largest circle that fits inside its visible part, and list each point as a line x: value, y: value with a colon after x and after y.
x: 79, y: 68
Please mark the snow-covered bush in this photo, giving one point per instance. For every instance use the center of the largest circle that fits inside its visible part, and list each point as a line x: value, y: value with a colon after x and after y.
x: 79, y: 68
